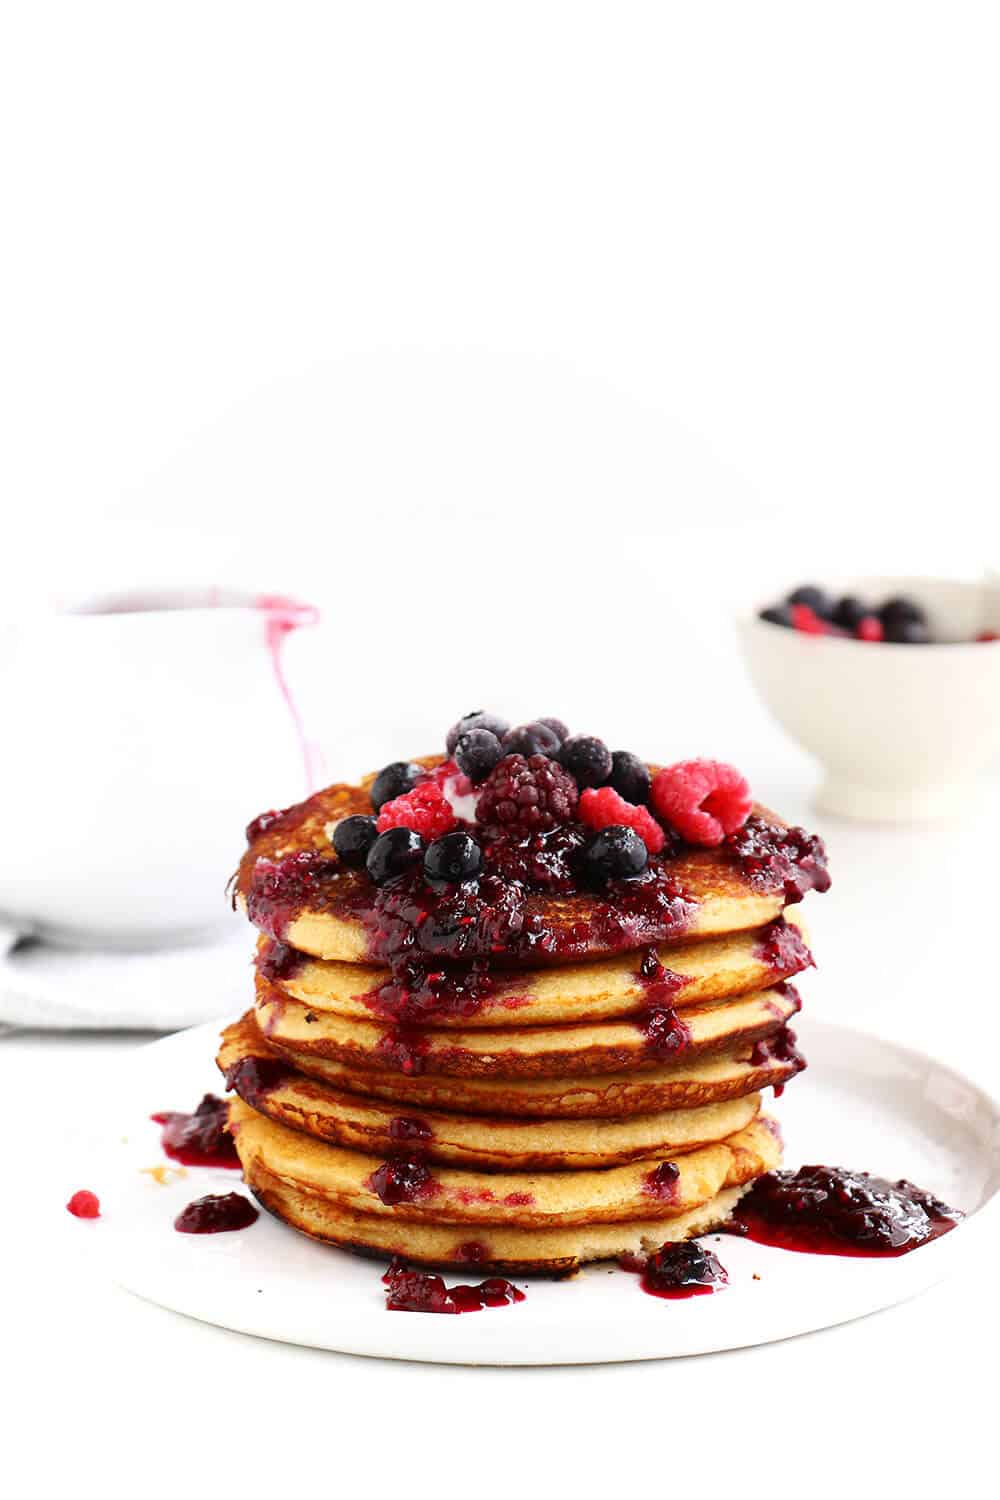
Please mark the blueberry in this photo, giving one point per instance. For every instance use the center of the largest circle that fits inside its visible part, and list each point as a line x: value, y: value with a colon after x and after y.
x: 615, y: 853
x: 393, y: 852
x: 478, y: 718
x: 353, y: 838
x: 477, y: 752
x: 586, y: 758
x: 453, y: 857
x: 394, y: 780
x: 809, y: 594
x: 907, y: 633
x: 629, y: 777
x: 535, y: 738
x: 776, y: 614
x: 849, y: 611
x: 901, y: 611
x: 558, y: 728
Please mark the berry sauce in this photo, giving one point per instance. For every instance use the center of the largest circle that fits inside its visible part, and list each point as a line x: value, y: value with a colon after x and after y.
x: 217, y: 1213
x: 783, y: 948
x: 419, y: 1291
x: 402, y: 1182
x: 409, y: 1131
x: 276, y: 960
x: 254, y: 1077
x: 832, y: 1211
x: 684, y: 1269
x: 778, y: 1048
x: 662, y: 1181
x: 665, y: 1032
x: 770, y: 857
x: 200, y: 1139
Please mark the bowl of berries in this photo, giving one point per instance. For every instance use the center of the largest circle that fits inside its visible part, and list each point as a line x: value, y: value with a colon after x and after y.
x: 892, y: 683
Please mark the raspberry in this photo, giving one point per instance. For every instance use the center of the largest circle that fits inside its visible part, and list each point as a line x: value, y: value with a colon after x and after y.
x: 425, y: 810
x: 870, y: 628
x: 806, y: 619
x: 703, y: 799
x: 601, y: 807
x: 527, y: 795
x: 84, y: 1205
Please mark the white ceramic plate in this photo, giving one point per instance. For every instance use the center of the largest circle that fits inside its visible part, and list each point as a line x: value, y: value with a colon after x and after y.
x: 864, y: 1103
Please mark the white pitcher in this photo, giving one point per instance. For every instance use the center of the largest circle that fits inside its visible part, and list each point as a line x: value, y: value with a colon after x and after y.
x: 140, y: 734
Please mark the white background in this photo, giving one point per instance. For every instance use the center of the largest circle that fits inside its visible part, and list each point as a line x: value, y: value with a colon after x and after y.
x: 524, y: 339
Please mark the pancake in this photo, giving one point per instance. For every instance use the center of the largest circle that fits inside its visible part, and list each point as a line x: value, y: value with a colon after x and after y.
x: 511, y: 1252
x: 540, y: 1051
x: 683, y: 1084
x: 293, y: 887
x: 604, y: 989
x: 471, y: 1200
x: 261, y: 1080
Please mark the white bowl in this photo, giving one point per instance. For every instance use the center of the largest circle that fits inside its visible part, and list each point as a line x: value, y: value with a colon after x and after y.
x: 902, y: 732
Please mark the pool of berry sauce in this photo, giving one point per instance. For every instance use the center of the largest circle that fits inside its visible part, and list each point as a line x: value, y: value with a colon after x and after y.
x: 199, y: 1139
x: 822, y: 1210
x: 676, y: 1271
x: 421, y: 1291
x: 216, y: 1213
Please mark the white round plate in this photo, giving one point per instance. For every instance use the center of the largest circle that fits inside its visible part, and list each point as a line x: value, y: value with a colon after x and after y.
x: 864, y: 1103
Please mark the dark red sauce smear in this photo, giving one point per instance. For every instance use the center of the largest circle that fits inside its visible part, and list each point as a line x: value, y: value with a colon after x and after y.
x: 419, y: 1291
x: 833, y: 1211
x: 402, y: 1182
x: 200, y: 1139
x: 783, y: 948
x: 779, y: 1048
x: 253, y: 1078
x: 277, y: 960
x: 685, y: 1269
x: 666, y: 1034
x: 217, y: 1213
x: 411, y: 1131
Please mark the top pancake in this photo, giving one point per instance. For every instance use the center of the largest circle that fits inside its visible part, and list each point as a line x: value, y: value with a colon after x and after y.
x: 329, y: 912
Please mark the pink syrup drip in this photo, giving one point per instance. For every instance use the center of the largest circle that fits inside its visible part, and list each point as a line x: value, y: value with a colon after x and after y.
x: 282, y: 616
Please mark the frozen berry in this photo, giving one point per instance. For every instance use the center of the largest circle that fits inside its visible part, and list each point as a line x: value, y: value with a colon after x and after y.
x: 615, y: 853
x: 454, y: 857
x: 849, y: 613
x: 527, y: 795
x: 629, y: 777
x: 426, y: 810
x: 601, y: 807
x: 805, y: 618
x: 813, y: 598
x: 586, y: 758
x: 535, y: 738
x: 394, y: 780
x: 477, y: 752
x: 84, y: 1205
x: 352, y: 839
x: 703, y: 799
x: 907, y: 633
x: 558, y: 728
x: 869, y: 628
x: 899, y: 611
x: 477, y: 719
x: 392, y: 853
x: 776, y: 614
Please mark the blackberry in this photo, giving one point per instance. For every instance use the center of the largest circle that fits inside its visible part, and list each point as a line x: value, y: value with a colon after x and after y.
x: 849, y: 612
x: 814, y: 598
x: 477, y: 752
x: 353, y: 838
x: 478, y: 718
x: 394, y: 781
x: 629, y: 777
x: 527, y: 794
x: 615, y: 853
x: 535, y: 738
x: 900, y: 611
x: 453, y: 857
x: 587, y: 759
x: 393, y: 852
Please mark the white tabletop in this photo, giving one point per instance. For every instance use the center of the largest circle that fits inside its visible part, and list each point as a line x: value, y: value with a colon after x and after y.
x: 151, y: 1395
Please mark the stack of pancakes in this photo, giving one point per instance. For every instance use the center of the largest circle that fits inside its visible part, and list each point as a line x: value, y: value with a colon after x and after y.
x: 574, y: 1111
